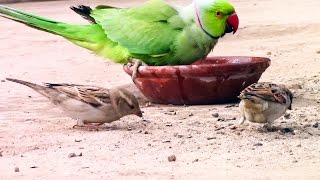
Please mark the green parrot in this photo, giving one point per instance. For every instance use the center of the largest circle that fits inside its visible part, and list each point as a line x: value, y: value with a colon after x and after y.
x: 155, y: 33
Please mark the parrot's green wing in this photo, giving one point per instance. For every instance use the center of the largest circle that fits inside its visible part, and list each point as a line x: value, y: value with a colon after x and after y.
x: 149, y: 29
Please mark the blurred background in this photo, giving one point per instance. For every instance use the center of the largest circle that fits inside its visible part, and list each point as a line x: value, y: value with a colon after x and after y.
x: 15, y: 1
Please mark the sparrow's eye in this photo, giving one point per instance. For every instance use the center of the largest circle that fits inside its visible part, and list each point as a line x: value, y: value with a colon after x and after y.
x: 219, y: 14
x: 131, y: 107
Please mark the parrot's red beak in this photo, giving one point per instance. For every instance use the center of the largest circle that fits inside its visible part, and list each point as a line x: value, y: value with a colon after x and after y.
x: 233, y: 23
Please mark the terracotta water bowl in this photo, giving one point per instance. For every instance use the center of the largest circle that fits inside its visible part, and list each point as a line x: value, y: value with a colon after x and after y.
x: 210, y: 81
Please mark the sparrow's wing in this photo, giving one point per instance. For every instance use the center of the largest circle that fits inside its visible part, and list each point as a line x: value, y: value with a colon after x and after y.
x: 266, y: 91
x: 95, y: 96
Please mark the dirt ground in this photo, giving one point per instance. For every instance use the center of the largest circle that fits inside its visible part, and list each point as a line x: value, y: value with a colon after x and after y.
x: 37, y: 138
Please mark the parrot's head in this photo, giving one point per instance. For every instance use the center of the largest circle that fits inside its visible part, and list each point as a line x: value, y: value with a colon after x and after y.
x: 216, y: 17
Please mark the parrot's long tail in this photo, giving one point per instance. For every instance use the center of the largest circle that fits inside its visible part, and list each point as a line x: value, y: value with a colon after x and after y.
x: 81, y: 35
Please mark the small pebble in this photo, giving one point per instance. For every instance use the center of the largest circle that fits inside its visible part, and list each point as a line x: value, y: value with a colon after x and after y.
x: 146, y: 132
x: 233, y: 127
x: 196, y: 160
x: 215, y: 115
x: 72, y: 155
x: 180, y: 135
x: 172, y: 158
x: 33, y: 167
x: 287, y: 116
x: 232, y: 105
x: 315, y: 125
x: 169, y: 124
x: 148, y: 104
x: 171, y: 112
x: 16, y: 169
x: 269, y: 53
x: 209, y: 138
x: 295, y: 161
x: 318, y: 51
x: 258, y: 144
x: 0, y: 153
x: 191, y: 114
x: 299, y: 145
x: 146, y: 120
x: 219, y: 128
x: 221, y: 119
x: 286, y: 130
x: 77, y: 140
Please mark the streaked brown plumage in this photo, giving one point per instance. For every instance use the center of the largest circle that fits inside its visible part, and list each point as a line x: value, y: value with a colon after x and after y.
x: 88, y: 104
x: 264, y: 102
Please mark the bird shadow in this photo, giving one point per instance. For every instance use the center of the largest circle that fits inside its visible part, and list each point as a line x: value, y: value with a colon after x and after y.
x: 114, y: 127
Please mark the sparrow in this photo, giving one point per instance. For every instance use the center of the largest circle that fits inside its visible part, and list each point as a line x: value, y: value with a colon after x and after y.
x: 264, y: 102
x: 88, y: 104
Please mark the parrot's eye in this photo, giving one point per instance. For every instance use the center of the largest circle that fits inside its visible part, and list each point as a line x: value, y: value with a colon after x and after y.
x: 219, y: 14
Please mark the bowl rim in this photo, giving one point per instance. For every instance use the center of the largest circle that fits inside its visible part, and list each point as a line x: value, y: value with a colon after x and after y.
x: 145, y: 70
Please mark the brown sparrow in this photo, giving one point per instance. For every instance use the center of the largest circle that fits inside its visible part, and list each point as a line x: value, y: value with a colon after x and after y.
x: 264, y: 102
x: 88, y: 104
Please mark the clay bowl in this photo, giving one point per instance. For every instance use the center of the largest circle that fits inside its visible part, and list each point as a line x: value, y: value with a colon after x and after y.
x: 209, y: 81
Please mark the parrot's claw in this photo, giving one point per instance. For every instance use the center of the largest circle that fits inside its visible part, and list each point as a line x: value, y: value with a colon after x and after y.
x: 135, y: 67
x: 129, y: 64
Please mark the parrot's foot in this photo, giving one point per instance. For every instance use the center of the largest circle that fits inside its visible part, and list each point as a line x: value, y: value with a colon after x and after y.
x: 135, y: 67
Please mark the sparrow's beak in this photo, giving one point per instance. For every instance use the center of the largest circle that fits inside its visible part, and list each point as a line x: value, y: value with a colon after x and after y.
x: 139, y: 113
x: 232, y: 23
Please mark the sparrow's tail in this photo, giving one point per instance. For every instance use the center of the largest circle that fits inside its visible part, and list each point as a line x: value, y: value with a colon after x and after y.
x: 83, y: 35
x: 45, y: 91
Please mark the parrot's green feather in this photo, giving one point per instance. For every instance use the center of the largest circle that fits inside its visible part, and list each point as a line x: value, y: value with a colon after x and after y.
x: 143, y: 30
x: 91, y: 36
x: 155, y: 32
x: 65, y: 30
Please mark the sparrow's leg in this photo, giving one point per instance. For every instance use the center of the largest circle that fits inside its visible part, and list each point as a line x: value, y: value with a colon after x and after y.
x: 242, y: 119
x: 81, y: 123
x: 269, y: 124
x: 269, y: 127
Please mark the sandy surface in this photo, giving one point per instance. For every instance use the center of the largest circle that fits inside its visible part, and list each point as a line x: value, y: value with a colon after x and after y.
x: 37, y: 138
